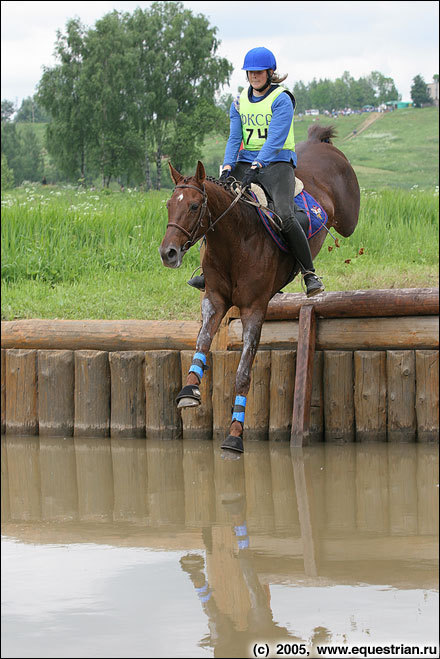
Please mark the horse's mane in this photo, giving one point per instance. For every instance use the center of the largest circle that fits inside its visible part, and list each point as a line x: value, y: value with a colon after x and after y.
x: 318, y: 133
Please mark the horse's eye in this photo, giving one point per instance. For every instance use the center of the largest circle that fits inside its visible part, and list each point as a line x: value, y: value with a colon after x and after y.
x: 194, y: 207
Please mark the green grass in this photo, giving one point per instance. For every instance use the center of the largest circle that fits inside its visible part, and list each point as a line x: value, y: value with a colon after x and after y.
x: 68, y: 253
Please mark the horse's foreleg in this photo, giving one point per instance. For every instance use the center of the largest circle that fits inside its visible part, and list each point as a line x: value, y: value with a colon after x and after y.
x: 252, y: 322
x: 212, y: 314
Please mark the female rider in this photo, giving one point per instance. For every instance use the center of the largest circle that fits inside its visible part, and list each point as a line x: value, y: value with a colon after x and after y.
x: 262, y: 117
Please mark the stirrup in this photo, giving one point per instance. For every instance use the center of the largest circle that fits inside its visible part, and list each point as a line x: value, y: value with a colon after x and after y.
x: 189, y: 396
x: 316, y: 286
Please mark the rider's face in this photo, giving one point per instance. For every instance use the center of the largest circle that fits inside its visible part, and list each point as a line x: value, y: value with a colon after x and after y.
x: 257, y: 78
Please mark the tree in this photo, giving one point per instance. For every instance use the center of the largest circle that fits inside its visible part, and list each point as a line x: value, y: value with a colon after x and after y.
x: 8, y: 109
x: 7, y: 174
x: 419, y: 92
x: 384, y: 88
x: 31, y: 111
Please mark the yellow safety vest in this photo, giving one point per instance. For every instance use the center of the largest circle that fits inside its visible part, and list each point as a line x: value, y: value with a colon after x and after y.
x: 255, y: 120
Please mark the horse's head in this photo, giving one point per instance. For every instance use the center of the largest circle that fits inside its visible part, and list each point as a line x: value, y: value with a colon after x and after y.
x: 187, y: 209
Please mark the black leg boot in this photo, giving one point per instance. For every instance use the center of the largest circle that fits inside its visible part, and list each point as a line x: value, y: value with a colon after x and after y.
x: 299, y: 248
x: 198, y: 282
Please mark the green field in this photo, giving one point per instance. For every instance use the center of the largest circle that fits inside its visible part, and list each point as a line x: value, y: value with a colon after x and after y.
x: 74, y: 253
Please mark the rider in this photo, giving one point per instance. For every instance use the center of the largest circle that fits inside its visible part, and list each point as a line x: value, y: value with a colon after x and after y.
x: 262, y: 117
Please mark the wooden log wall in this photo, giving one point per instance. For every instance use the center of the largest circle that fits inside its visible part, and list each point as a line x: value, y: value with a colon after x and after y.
x: 360, y: 395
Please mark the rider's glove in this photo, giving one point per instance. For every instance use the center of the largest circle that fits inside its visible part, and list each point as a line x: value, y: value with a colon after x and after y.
x: 250, y: 176
x: 224, y: 175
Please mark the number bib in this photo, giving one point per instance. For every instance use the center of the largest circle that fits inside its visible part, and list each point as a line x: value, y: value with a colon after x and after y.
x: 255, y: 120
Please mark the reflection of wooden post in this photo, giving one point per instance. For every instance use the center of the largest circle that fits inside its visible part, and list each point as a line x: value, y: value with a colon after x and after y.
x: 306, y: 511
x: 258, y: 401
x: 283, y: 489
x: 5, y: 506
x: 59, y: 491
x: 402, y: 474
x: 427, y: 489
x: 230, y: 489
x: 304, y: 376
x: 129, y: 461
x: 282, y: 381
x: 259, y: 499
x: 340, y: 488
x: 370, y: 396
x: 92, y: 393
x: 338, y: 396
x: 372, y: 488
x: 197, y: 421
x: 166, y: 493
x: 24, y: 478
x: 401, y: 382
x: 94, y: 474
x: 22, y: 392
x: 127, y: 394
x: 427, y: 379
x: 198, y: 476
x: 56, y: 385
x: 163, y: 381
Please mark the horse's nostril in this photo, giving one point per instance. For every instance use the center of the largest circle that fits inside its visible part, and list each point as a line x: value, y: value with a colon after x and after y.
x: 172, y: 254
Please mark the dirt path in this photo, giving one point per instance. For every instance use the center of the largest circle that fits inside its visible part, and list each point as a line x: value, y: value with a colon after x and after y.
x: 372, y: 117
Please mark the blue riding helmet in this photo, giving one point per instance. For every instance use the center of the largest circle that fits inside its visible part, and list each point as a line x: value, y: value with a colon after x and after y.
x: 259, y: 59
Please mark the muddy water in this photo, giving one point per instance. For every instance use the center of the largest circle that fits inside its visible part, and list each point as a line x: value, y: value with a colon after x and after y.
x: 134, y: 548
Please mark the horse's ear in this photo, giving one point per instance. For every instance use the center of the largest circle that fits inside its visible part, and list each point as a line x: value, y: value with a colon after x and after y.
x: 174, y: 174
x: 200, y: 172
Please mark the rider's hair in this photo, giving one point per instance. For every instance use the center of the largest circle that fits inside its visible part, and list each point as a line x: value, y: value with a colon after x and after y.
x: 277, y: 78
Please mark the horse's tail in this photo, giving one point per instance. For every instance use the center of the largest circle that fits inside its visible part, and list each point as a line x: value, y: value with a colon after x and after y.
x: 317, y: 133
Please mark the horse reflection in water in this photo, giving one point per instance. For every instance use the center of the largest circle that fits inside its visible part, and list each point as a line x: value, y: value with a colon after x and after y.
x: 242, y: 266
x: 231, y: 594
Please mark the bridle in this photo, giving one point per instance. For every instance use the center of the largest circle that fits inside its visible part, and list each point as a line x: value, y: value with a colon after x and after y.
x: 199, y: 221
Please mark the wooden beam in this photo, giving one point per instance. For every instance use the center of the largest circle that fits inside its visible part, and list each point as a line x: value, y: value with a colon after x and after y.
x: 304, y: 375
x: 358, y: 304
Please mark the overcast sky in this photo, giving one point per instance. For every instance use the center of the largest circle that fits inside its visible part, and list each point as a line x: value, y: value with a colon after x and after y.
x: 309, y: 39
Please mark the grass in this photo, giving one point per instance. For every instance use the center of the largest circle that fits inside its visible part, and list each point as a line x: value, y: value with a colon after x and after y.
x: 69, y: 253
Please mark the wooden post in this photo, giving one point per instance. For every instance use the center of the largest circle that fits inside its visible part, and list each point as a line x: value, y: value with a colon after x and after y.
x: 427, y: 378
x: 3, y: 391
x: 224, y: 368
x: 163, y: 381
x: 370, y: 396
x: 304, y: 374
x: 22, y: 392
x: 338, y: 396
x: 197, y: 421
x: 401, y: 382
x: 256, y: 425
x: 282, y: 382
x: 56, y: 385
x: 316, y: 425
x: 92, y: 394
x: 127, y: 372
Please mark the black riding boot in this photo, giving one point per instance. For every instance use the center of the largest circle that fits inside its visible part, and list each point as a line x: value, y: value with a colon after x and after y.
x: 198, y: 282
x: 299, y: 247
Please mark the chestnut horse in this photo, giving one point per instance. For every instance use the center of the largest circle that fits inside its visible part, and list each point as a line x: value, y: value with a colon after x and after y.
x: 243, y: 266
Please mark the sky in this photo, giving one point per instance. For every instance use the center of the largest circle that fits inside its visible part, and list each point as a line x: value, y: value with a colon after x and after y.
x: 309, y: 39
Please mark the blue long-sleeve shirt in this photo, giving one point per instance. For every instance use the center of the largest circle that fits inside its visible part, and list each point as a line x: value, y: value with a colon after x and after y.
x: 272, y: 150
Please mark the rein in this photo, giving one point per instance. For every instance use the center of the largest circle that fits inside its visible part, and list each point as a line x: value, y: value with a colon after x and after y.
x: 199, y: 221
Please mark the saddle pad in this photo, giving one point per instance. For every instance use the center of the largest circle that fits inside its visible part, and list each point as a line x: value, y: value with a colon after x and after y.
x: 316, y: 214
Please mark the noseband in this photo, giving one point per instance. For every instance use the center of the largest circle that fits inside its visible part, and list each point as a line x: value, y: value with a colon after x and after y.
x: 199, y: 222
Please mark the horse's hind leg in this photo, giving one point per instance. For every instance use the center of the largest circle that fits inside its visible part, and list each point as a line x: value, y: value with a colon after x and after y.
x: 213, y: 311
x: 252, y: 322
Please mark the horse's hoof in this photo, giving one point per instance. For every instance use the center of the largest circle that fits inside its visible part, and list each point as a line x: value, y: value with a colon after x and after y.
x: 187, y: 402
x: 189, y: 396
x: 233, y: 443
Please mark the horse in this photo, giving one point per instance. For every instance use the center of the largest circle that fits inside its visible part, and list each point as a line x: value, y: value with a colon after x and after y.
x: 243, y: 266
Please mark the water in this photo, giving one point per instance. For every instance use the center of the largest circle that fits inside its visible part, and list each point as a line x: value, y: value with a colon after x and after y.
x: 135, y: 548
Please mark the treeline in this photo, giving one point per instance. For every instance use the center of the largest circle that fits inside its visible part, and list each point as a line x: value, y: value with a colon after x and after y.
x: 130, y: 90
x: 345, y: 92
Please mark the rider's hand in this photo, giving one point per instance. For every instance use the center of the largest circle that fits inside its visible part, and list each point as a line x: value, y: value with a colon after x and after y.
x: 250, y: 176
x: 224, y: 175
